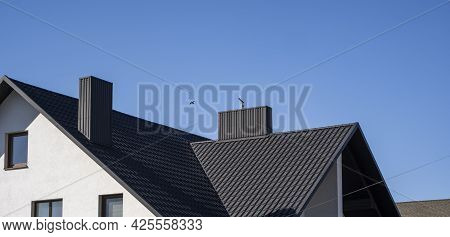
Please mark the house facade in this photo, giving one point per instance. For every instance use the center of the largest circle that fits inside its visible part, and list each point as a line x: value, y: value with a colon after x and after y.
x: 56, y: 169
x: 63, y: 156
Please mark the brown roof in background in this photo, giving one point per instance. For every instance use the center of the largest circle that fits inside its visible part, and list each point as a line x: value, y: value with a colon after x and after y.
x: 430, y: 208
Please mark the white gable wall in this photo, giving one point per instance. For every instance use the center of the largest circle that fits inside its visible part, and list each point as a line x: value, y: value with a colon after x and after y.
x: 58, y: 168
x: 327, y: 200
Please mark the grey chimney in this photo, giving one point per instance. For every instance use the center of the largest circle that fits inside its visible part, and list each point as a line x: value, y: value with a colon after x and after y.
x: 243, y: 123
x: 94, y: 110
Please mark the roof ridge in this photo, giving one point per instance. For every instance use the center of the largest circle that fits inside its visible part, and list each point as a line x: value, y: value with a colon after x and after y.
x: 40, y: 88
x: 280, y: 133
x: 318, y: 128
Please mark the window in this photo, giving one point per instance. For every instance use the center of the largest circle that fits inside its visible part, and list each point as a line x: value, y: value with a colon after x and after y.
x: 16, y: 150
x: 111, y: 205
x: 48, y: 208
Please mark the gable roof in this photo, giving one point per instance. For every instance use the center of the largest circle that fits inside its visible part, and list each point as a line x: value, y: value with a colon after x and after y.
x: 429, y: 208
x: 278, y: 174
x: 271, y: 175
x: 175, y: 173
x: 158, y: 168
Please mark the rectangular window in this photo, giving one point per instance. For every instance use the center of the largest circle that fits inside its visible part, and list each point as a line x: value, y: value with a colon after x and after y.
x: 48, y: 208
x: 111, y: 205
x: 16, y: 150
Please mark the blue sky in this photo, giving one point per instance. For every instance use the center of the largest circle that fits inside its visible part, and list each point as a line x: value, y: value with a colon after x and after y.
x: 396, y: 86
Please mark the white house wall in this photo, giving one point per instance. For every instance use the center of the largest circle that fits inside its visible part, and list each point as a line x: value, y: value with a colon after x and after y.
x: 57, y: 169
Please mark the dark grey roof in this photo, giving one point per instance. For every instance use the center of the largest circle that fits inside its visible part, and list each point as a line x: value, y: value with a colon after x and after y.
x: 175, y: 173
x: 430, y: 208
x: 272, y: 175
x: 159, y: 168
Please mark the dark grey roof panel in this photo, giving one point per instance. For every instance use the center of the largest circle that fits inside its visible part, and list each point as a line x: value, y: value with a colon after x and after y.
x: 160, y: 167
x: 271, y: 175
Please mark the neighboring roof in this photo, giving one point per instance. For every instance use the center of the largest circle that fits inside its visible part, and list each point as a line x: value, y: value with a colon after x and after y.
x: 272, y: 175
x: 158, y: 168
x: 430, y: 208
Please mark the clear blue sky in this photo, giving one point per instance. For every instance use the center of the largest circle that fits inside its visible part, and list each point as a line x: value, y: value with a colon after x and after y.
x: 397, y: 86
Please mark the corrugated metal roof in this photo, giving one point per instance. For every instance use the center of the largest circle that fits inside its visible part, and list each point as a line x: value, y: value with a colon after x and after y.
x: 161, y: 168
x: 273, y: 174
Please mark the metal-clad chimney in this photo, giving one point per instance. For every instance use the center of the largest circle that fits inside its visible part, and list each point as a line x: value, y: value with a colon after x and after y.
x: 243, y: 123
x: 94, y: 110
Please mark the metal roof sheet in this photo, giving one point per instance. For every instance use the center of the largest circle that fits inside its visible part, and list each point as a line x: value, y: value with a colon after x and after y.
x: 273, y: 174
